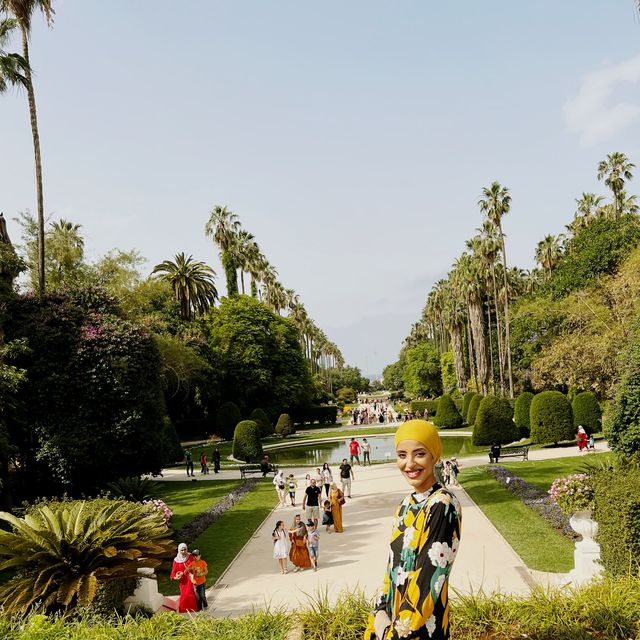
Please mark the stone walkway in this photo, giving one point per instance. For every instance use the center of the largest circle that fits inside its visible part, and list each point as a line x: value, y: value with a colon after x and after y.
x: 356, y: 559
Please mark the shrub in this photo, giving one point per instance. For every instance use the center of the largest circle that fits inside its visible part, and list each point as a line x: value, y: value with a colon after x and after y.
x: 133, y: 489
x: 522, y: 413
x: 346, y: 394
x: 617, y: 512
x: 77, y: 546
x: 573, y: 493
x: 432, y: 407
x: 263, y: 422
x: 418, y: 405
x: 494, y: 422
x: 285, y: 426
x: 466, y: 401
x: 246, y: 441
x: 447, y: 414
x: 227, y: 418
x: 551, y: 417
x: 474, y: 405
x: 170, y: 449
x: 586, y: 411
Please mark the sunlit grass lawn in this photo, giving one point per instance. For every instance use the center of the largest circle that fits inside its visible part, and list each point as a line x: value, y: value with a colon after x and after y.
x: 221, y: 542
x: 539, y: 545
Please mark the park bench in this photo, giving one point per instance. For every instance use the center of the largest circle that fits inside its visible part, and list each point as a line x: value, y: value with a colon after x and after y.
x: 247, y: 470
x: 511, y: 452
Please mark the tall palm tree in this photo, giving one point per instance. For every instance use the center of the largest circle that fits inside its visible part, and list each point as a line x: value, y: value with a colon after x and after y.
x: 66, y: 251
x: 22, y: 11
x: 453, y: 314
x: 223, y: 226
x: 13, y: 67
x: 495, y: 202
x: 548, y: 253
x: 192, y: 283
x: 614, y: 171
x: 243, y: 244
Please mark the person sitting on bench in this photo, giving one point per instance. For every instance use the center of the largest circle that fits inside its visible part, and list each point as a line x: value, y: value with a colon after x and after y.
x: 495, y: 453
x: 265, y: 466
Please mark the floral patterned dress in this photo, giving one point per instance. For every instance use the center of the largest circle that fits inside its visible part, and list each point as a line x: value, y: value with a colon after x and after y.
x: 424, y: 544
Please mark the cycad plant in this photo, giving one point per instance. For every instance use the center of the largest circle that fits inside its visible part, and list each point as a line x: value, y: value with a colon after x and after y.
x: 133, y: 489
x: 61, y: 552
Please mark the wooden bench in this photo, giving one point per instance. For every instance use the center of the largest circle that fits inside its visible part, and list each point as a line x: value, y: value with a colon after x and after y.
x: 511, y: 452
x: 247, y: 470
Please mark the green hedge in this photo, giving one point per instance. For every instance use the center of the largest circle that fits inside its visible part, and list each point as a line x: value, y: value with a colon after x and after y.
x: 171, y: 450
x: 327, y: 415
x: 617, y: 512
x: 246, y: 442
x: 285, y: 426
x: 263, y: 422
x: 522, y: 413
x: 227, y: 418
x: 346, y: 394
x: 474, y: 405
x: 587, y: 412
x: 494, y: 422
x: 447, y: 415
x: 551, y: 417
x: 466, y: 401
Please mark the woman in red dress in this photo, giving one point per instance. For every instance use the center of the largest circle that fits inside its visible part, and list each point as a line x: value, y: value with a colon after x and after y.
x: 180, y: 572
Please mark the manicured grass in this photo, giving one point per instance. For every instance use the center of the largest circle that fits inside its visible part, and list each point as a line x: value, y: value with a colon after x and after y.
x: 539, y: 545
x: 221, y: 542
x: 542, y: 473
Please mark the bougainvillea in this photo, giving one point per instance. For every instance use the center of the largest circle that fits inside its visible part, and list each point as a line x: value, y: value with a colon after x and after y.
x: 573, y: 493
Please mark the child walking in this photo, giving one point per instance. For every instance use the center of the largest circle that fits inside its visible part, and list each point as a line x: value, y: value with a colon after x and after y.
x: 198, y: 571
x: 292, y: 483
x: 312, y: 540
x: 327, y: 516
x: 281, y: 546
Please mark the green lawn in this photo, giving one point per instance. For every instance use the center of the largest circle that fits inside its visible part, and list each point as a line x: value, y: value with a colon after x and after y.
x: 221, y: 542
x: 542, y: 473
x: 539, y: 545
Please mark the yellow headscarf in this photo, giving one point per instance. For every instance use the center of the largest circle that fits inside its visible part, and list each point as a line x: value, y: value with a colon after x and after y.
x: 424, y: 432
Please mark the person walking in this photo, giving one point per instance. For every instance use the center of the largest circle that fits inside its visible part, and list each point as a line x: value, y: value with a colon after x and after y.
x: 298, y: 554
x: 336, y: 498
x: 311, y: 501
x: 215, y: 457
x: 327, y: 478
x: 198, y: 572
x: 292, y: 485
x: 327, y: 516
x: 204, y: 469
x: 346, y: 476
x: 366, y: 452
x: 414, y: 600
x: 354, y: 450
x: 188, y: 456
x: 281, y: 546
x: 312, y: 540
x: 280, y: 484
x: 179, y: 571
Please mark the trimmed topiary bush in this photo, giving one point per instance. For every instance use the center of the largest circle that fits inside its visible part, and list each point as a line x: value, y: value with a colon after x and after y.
x: 551, y: 417
x: 262, y: 420
x: 586, y: 412
x: 170, y: 447
x: 466, y: 401
x: 617, y: 512
x: 522, y: 412
x: 227, y: 418
x: 285, y: 426
x: 418, y: 405
x: 246, y: 442
x: 447, y: 415
x: 494, y: 422
x: 474, y: 405
x: 432, y: 407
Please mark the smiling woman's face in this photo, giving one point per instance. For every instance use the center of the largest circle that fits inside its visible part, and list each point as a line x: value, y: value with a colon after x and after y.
x: 416, y: 464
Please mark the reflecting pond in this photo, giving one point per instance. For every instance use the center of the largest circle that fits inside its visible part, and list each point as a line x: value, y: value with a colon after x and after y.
x: 382, y: 448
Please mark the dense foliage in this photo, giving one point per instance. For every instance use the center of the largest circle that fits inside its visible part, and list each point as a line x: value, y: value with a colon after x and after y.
x: 522, y: 411
x: 346, y: 394
x: 494, y: 422
x: 474, y: 405
x: 263, y: 422
x: 587, y: 411
x: 227, y: 418
x: 551, y: 417
x: 466, y: 401
x: 246, y: 441
x: 447, y: 415
x: 308, y: 415
x: 421, y: 373
x: 285, y: 426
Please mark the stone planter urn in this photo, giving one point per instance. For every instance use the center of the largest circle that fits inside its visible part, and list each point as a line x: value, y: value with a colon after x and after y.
x: 586, y: 555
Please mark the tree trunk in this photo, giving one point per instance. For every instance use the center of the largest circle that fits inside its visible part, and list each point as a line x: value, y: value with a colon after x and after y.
x: 254, y: 289
x: 477, y: 327
x: 472, y: 360
x: 455, y: 330
x: 38, y: 160
x: 242, y: 280
x: 492, y: 377
x: 229, y: 267
x: 498, y: 332
x: 507, y: 336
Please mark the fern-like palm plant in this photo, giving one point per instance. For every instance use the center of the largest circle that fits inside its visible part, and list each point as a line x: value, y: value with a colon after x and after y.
x: 60, y: 553
x: 134, y: 489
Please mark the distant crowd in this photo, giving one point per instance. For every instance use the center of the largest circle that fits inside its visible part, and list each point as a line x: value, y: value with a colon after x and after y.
x: 382, y: 412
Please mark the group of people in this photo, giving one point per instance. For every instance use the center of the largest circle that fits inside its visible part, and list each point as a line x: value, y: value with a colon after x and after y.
x: 204, y: 464
x: 190, y: 570
x: 446, y: 472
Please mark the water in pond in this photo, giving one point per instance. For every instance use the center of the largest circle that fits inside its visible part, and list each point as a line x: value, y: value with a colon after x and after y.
x: 382, y: 448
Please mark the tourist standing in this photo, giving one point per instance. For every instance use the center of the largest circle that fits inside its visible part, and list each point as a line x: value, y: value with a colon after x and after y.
x: 346, y: 476
x: 313, y: 542
x: 279, y: 483
x: 354, y: 450
x: 337, y: 500
x: 180, y: 572
x: 414, y: 601
x: 311, y: 501
x: 366, y: 452
x: 281, y: 546
x: 327, y: 478
x: 298, y: 554
x: 215, y: 456
x: 188, y: 456
x: 198, y: 571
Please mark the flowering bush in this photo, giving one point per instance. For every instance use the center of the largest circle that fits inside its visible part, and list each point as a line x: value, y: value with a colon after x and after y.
x: 162, y: 507
x: 573, y: 493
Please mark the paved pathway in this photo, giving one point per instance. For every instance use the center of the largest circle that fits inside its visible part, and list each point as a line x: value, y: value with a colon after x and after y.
x: 357, y: 558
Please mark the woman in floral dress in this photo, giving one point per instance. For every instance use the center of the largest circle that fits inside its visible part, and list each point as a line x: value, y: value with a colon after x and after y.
x: 414, y: 601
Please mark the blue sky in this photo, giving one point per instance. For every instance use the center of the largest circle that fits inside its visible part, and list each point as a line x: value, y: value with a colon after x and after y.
x: 352, y: 139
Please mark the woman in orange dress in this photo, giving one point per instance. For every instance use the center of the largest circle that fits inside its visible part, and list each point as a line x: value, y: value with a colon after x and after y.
x: 299, y: 554
x: 337, y: 500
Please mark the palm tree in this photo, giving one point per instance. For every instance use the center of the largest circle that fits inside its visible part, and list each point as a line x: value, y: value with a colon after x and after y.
x: 495, y: 203
x: 548, y: 253
x: 588, y: 206
x: 66, y: 251
x: 13, y: 66
x: 614, y: 171
x: 243, y: 246
x: 223, y: 226
x: 453, y: 314
x: 22, y: 11
x: 192, y: 283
